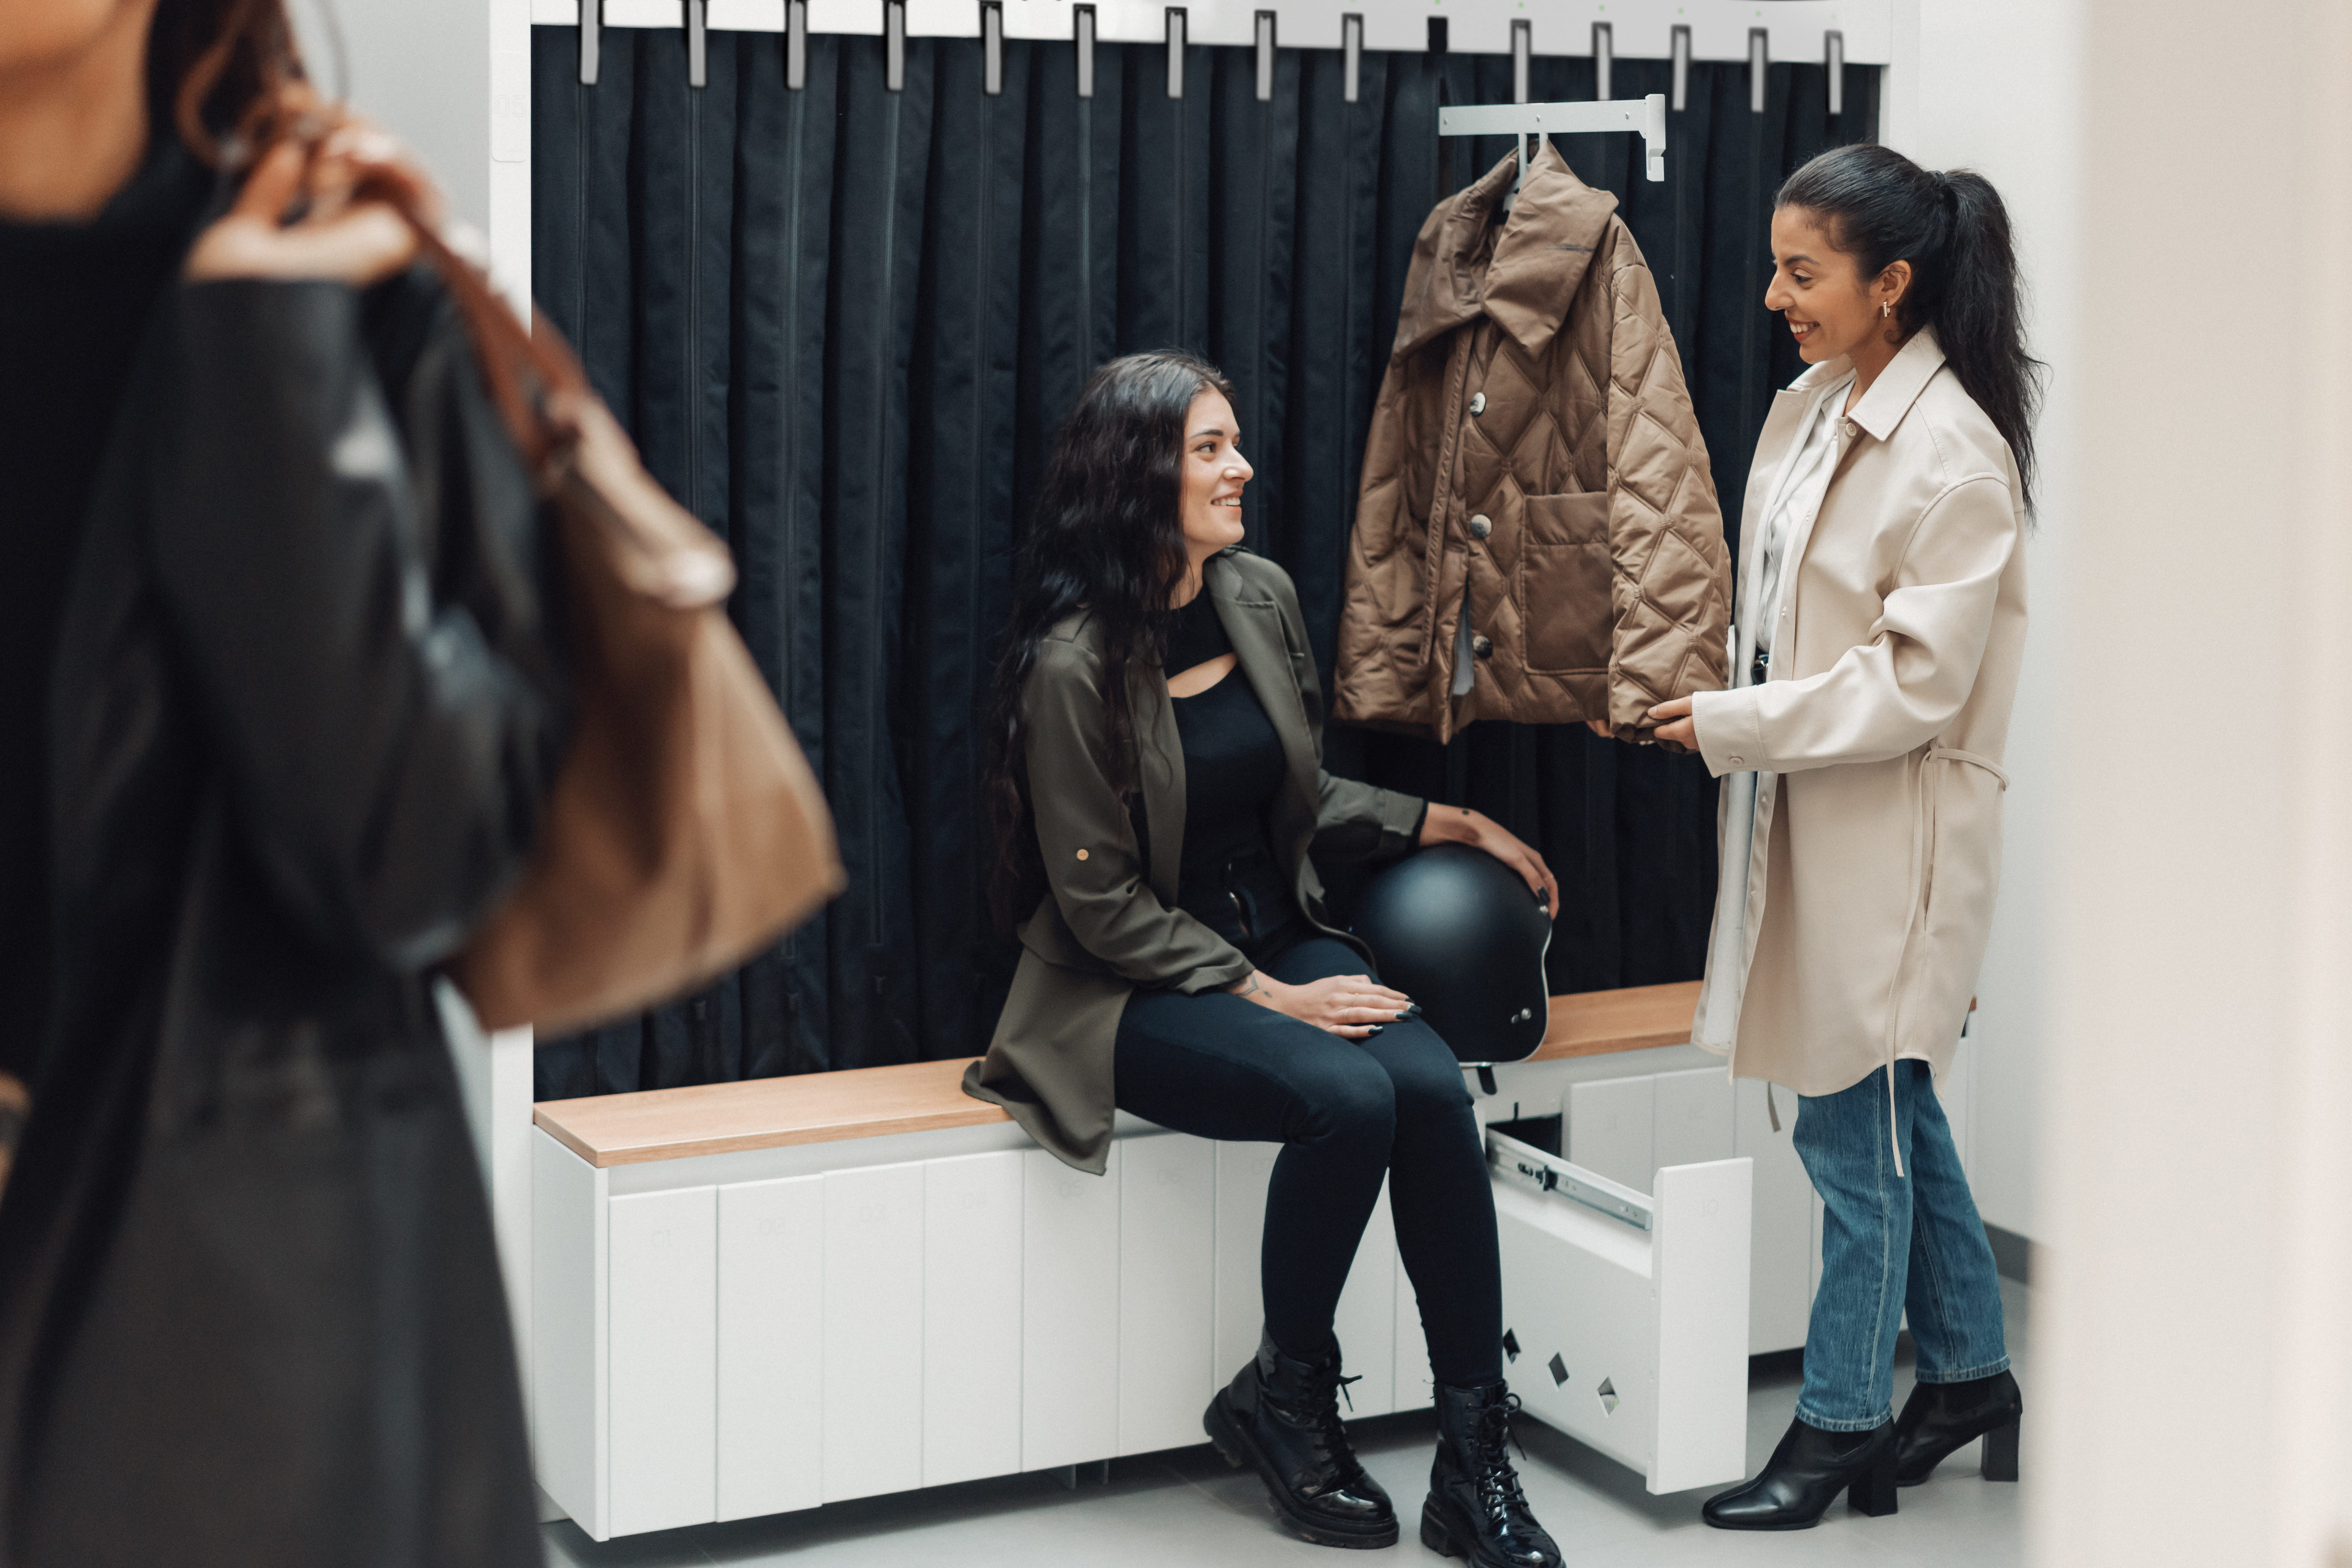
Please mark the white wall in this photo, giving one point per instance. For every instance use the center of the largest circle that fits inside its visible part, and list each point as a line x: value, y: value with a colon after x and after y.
x: 1992, y: 85
x: 2194, y: 1382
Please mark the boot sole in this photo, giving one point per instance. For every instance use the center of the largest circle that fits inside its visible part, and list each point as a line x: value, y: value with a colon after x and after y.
x: 1438, y: 1535
x: 1233, y: 1445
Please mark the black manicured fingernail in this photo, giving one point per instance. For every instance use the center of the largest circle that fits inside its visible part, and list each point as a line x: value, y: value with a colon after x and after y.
x: 1400, y: 1018
x: 1376, y: 1028
x: 1412, y: 1010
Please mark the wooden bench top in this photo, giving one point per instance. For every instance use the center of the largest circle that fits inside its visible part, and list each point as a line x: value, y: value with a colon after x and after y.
x: 921, y: 1097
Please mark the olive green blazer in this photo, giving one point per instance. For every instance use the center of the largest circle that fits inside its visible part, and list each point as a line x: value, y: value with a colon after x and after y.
x: 1108, y: 922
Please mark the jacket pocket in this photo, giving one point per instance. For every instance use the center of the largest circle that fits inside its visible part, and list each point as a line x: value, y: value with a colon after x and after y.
x: 1961, y: 798
x: 1564, y: 582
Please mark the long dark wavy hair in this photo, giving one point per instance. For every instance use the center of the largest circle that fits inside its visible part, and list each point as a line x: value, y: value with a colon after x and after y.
x: 1880, y: 207
x: 219, y: 70
x: 1108, y: 538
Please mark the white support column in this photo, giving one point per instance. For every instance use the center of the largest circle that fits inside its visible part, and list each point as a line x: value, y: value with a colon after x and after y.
x: 2199, y: 1181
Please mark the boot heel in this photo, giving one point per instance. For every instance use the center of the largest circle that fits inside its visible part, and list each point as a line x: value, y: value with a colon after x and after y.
x: 1220, y: 1436
x: 2001, y: 1452
x: 1434, y: 1533
x: 1873, y: 1492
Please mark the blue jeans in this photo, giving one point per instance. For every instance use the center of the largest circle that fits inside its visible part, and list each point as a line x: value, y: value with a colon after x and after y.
x: 1889, y: 1243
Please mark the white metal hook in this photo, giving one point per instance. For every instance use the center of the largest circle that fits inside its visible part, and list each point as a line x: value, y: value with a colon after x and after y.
x: 894, y: 45
x: 992, y: 45
x: 697, y: 43
x: 592, y: 40
x: 1266, y: 56
x: 1833, y: 46
x: 1175, y: 51
x: 1759, y: 66
x: 1604, y: 60
x: 1082, y: 31
x: 1352, y: 55
x: 1681, y: 48
x: 797, y: 44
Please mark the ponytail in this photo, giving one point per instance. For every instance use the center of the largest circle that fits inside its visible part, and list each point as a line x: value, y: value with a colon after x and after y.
x: 1880, y: 207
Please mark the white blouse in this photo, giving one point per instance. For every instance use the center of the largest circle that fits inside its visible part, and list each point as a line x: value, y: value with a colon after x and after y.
x: 1797, y: 493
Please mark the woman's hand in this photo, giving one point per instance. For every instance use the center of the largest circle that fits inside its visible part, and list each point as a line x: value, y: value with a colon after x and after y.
x: 297, y: 216
x: 1460, y: 825
x: 1675, y: 724
x: 1352, y: 1007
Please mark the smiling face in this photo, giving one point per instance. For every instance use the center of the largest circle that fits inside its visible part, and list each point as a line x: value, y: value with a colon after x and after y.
x: 1215, y: 474
x: 1831, y: 309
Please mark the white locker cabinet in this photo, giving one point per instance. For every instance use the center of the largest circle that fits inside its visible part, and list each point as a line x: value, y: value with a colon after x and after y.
x: 664, y: 1356
x: 1691, y: 1123
x: 1070, y: 1319
x: 1780, y: 1278
x: 570, y: 1324
x: 1631, y: 1340
x: 1167, y: 1289
x: 770, y: 1346
x: 873, y: 1331
x: 972, y: 1317
x: 1607, y: 1126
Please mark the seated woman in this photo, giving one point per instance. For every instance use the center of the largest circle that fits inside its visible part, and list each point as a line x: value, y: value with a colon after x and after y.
x: 1158, y: 810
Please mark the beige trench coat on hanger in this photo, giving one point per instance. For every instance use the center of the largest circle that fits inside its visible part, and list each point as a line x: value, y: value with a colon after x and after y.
x: 1854, y: 915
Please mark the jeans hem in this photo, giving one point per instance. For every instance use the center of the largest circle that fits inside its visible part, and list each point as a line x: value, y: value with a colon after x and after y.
x: 1967, y: 1375
x: 1836, y: 1424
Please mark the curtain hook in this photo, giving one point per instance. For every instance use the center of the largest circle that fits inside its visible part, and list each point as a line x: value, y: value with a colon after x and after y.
x: 1833, y: 48
x: 795, y: 44
x: 1176, y: 51
x: 1266, y: 56
x: 894, y: 45
x: 1523, y: 48
x: 1352, y: 55
x: 991, y: 44
x: 697, y: 43
x: 1082, y: 26
x: 1605, y: 61
x: 1681, y: 51
x: 592, y: 40
x: 1759, y: 64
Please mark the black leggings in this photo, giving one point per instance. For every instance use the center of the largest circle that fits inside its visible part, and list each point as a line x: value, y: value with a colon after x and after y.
x: 1350, y: 1110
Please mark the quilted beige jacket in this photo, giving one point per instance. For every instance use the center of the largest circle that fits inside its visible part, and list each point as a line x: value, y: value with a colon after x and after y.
x: 1535, y: 465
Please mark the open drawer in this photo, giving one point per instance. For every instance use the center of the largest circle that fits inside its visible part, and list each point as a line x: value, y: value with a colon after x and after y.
x: 1627, y: 1313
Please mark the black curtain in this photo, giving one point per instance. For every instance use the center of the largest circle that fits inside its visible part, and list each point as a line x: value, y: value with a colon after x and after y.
x: 842, y: 324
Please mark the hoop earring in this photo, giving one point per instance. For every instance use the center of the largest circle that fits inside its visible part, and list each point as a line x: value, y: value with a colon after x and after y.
x: 1886, y: 310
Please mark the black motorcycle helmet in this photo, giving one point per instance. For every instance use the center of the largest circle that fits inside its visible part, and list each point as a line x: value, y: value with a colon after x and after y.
x: 1459, y: 932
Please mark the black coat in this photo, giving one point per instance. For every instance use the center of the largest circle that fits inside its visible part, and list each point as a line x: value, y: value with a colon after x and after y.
x: 304, y: 713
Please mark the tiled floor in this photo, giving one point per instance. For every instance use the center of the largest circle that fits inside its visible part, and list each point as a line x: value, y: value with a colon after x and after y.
x: 1185, y: 1508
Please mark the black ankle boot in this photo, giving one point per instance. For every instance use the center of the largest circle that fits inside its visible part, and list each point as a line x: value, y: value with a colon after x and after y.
x: 1281, y: 1415
x: 1805, y: 1475
x: 1940, y: 1417
x: 1476, y: 1508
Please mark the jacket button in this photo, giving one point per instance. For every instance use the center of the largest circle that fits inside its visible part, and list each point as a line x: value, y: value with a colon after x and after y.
x: 1481, y: 526
x: 1482, y: 644
x: 1082, y: 853
x: 1477, y: 403
x: 1738, y: 762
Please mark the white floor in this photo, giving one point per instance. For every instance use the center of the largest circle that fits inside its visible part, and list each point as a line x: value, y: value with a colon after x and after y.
x: 1186, y: 1507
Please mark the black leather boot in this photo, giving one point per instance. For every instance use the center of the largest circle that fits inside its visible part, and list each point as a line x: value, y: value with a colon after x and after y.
x: 1476, y: 1508
x: 1805, y: 1475
x: 1281, y: 1415
x: 1941, y: 1417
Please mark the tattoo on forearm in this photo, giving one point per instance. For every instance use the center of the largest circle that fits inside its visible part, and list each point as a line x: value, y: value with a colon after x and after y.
x: 1249, y: 987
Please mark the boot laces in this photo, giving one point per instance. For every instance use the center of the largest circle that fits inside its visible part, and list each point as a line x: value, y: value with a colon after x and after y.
x: 1499, y: 1493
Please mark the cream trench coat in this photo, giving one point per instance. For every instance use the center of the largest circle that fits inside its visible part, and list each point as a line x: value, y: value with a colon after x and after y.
x: 1857, y: 896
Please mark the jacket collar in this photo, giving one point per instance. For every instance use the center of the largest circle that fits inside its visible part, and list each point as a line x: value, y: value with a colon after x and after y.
x: 1898, y: 386
x: 1539, y: 258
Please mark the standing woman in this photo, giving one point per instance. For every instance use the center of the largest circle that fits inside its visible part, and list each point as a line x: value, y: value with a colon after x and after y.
x: 1157, y: 784
x: 278, y: 709
x: 1882, y: 615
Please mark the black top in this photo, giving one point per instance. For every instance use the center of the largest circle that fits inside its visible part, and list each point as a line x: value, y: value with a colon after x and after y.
x: 74, y: 298
x: 1232, y: 766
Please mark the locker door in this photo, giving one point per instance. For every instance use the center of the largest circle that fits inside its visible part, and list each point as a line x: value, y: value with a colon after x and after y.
x: 1691, y: 1121
x: 1243, y: 1172
x: 663, y: 1356
x: 1609, y: 1126
x: 1070, y: 1319
x: 1779, y: 1288
x: 770, y: 1346
x: 972, y: 1317
x: 873, y: 1331
x: 1167, y: 1289
x: 1366, y: 1321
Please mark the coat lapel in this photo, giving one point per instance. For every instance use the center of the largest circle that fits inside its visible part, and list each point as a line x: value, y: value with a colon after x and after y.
x: 1161, y: 763
x: 1253, y: 626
